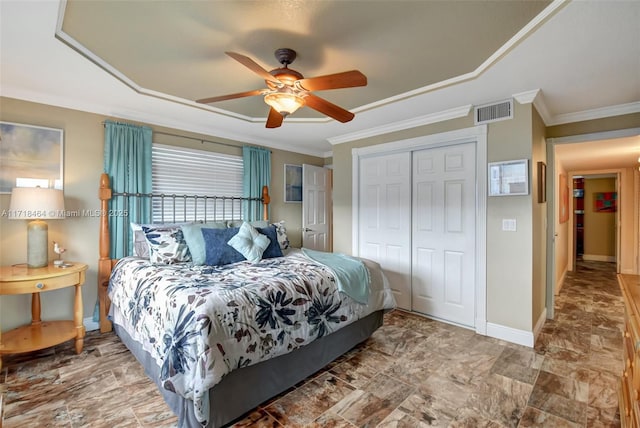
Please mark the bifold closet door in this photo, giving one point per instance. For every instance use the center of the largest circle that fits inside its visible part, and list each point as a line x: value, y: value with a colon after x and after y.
x: 443, y: 231
x: 385, y: 219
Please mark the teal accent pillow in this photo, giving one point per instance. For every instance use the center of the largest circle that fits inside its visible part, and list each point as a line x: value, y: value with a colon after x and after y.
x: 250, y: 243
x: 195, y: 241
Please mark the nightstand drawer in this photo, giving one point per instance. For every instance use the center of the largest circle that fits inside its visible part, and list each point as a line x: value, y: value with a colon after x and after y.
x: 39, y: 285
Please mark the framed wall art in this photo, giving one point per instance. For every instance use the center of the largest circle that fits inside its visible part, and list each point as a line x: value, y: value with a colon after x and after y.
x: 509, y: 178
x: 542, y: 182
x: 605, y: 202
x: 292, y: 183
x: 31, y: 156
x: 563, y: 199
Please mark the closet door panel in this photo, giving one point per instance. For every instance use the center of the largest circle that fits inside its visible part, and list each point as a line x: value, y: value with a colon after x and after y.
x: 444, y: 226
x: 385, y: 219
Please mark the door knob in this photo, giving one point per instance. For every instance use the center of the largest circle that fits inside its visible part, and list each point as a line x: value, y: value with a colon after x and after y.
x: 306, y: 229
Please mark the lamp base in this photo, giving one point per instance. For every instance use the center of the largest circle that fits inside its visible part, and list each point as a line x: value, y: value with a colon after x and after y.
x: 37, y: 244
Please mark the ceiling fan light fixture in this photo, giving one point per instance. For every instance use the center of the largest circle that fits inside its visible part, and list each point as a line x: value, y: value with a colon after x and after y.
x: 284, y: 103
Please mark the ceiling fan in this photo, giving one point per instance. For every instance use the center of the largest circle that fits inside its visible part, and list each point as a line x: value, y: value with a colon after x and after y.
x: 287, y: 90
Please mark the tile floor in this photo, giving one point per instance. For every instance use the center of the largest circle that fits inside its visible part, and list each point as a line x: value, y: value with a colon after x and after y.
x: 413, y: 372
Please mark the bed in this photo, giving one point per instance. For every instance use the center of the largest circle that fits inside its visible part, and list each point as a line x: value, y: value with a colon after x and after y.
x: 220, y: 339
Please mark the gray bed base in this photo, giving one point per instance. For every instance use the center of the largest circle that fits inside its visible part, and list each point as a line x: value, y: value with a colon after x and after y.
x: 243, y: 390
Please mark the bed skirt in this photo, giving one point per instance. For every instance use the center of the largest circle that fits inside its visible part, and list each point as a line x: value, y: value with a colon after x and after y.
x: 242, y: 390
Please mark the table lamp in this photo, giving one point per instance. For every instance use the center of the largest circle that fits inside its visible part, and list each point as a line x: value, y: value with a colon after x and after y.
x: 36, y: 204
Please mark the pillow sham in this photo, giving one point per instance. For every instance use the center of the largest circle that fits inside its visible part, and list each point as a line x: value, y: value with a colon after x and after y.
x: 140, y: 245
x: 273, y: 249
x: 281, y: 232
x: 166, y: 245
x: 195, y: 241
x: 249, y: 242
x: 217, y: 250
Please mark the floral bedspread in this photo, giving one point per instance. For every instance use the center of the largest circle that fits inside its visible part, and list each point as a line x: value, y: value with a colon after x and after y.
x: 201, y: 322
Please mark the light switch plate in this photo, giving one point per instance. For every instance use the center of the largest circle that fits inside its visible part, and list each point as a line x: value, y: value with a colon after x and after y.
x: 509, y: 224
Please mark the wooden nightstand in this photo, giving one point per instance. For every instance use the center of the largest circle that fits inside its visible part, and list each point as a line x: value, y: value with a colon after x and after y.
x: 20, y: 279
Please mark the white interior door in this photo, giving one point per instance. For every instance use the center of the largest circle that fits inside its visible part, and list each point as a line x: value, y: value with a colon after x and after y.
x: 385, y: 219
x: 443, y: 249
x: 316, y: 208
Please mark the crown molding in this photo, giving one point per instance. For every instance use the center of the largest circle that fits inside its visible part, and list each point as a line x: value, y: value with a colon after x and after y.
x: 597, y: 113
x: 148, y: 118
x: 535, y: 96
x: 403, y: 124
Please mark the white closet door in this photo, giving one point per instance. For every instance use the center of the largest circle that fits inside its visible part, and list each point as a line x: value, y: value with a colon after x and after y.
x: 443, y: 249
x: 385, y: 219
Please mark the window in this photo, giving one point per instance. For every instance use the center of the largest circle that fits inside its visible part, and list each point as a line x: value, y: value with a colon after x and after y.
x: 186, y: 172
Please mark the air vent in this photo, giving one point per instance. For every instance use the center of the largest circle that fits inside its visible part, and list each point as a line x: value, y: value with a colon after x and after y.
x: 493, y: 112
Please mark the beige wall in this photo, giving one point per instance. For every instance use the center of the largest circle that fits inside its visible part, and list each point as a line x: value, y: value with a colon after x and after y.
x: 599, y: 227
x: 83, y: 164
x: 510, y: 254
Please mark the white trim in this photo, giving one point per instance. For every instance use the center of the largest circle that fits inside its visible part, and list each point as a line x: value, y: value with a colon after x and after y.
x: 606, y: 135
x: 598, y: 258
x: 355, y: 202
x: 475, y: 134
x: 90, y: 324
x: 539, y: 324
x: 513, y: 335
x: 458, y: 136
x: 527, y: 97
x: 401, y: 125
x: 597, y: 113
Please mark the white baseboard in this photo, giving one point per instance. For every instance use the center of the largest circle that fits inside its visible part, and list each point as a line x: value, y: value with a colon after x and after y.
x: 513, y: 335
x: 90, y: 324
x: 598, y: 258
x: 539, y: 324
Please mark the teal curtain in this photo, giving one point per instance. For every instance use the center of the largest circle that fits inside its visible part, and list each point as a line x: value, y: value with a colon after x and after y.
x: 127, y: 160
x: 257, y: 173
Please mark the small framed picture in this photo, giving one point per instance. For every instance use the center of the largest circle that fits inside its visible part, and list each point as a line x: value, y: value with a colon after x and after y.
x: 542, y: 182
x: 31, y: 156
x: 509, y: 178
x: 292, y: 183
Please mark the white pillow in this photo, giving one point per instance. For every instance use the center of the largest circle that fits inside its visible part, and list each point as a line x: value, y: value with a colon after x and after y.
x: 249, y: 242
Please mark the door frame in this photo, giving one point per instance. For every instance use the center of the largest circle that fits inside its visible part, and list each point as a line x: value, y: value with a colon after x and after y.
x: 552, y: 211
x: 477, y: 135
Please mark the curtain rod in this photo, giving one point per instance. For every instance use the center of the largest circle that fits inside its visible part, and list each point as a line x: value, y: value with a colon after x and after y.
x: 202, y: 140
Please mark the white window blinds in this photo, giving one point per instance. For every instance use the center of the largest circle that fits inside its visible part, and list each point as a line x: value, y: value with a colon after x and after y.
x: 180, y: 171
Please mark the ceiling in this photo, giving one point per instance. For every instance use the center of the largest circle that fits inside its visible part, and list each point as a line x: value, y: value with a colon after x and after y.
x: 425, y: 61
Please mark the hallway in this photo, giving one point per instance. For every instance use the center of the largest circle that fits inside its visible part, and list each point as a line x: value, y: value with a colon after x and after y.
x: 582, y: 349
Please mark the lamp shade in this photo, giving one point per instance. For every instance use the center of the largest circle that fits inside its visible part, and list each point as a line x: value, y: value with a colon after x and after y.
x: 284, y: 103
x: 36, y: 203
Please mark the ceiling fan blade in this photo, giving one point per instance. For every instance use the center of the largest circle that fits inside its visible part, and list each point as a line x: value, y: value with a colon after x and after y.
x: 230, y: 96
x: 330, y: 109
x: 275, y: 119
x: 347, y: 79
x: 253, y: 66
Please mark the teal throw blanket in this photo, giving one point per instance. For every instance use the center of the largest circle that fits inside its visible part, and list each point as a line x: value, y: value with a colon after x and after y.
x: 352, y: 276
